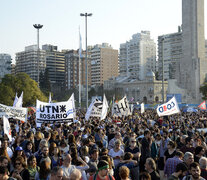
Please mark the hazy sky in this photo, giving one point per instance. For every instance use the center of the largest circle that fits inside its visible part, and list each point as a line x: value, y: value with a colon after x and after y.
x: 113, y: 21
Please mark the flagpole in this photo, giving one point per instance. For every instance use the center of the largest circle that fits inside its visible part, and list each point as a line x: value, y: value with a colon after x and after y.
x: 79, y: 70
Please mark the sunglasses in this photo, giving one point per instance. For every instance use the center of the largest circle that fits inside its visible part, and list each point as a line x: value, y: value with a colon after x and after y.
x: 17, y: 163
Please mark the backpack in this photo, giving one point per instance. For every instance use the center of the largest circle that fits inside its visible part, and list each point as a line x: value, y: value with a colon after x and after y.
x: 95, y: 176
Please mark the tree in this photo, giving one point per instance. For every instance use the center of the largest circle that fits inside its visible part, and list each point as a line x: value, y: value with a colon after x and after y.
x: 203, y: 90
x: 21, y: 82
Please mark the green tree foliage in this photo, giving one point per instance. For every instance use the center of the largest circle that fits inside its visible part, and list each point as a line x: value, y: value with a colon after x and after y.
x: 203, y: 90
x: 21, y: 82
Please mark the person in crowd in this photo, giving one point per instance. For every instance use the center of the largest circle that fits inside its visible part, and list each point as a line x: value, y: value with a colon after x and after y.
x: 4, y: 161
x: 32, y: 166
x: 56, y: 158
x: 116, y: 153
x: 67, y: 167
x: 56, y: 173
x: 37, y: 139
x: 163, y: 147
x: 4, y: 174
x: 112, y: 141
x: 171, y: 150
x: 180, y: 171
x: 145, y: 149
x: 44, y: 171
x: 188, y: 158
x: 171, y: 163
x: 124, y: 173
x: 133, y: 148
x: 75, y: 175
x: 20, y: 169
x: 94, y: 159
x: 188, y: 147
x: 150, y: 167
x: 203, y: 166
x: 145, y: 176
x: 28, y: 149
x: 195, y: 172
x: 44, y: 155
x: 103, y: 168
x: 199, y: 152
x: 29, y: 137
x: 5, y: 150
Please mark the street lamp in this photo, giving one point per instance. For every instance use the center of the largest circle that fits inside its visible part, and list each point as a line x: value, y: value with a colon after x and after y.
x: 38, y: 27
x: 86, y: 62
x: 163, y: 88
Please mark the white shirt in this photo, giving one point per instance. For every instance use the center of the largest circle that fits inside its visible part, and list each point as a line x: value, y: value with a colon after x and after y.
x: 113, y: 154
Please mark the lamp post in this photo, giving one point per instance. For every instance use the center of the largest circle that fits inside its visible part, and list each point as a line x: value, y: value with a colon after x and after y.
x: 86, y: 62
x: 38, y: 27
x: 163, y: 88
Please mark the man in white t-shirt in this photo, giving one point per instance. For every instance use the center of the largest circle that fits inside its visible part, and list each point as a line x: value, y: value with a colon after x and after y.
x: 67, y: 167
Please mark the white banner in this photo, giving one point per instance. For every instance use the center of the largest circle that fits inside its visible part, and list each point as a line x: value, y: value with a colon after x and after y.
x: 142, y: 108
x: 121, y: 108
x: 171, y: 107
x: 61, y: 112
x: 7, y: 128
x: 13, y: 112
x: 104, y: 108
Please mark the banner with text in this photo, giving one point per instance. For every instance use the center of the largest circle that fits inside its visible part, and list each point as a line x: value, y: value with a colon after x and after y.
x: 171, y: 107
x: 60, y: 112
x: 13, y: 112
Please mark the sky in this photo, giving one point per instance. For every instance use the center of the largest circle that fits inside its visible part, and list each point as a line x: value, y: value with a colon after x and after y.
x: 113, y: 21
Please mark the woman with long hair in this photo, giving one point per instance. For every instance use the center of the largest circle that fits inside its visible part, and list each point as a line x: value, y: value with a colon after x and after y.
x: 56, y: 159
x: 44, y: 172
x: 20, y: 171
x: 28, y: 151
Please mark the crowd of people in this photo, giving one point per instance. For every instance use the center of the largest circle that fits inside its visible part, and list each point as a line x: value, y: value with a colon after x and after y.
x: 140, y: 146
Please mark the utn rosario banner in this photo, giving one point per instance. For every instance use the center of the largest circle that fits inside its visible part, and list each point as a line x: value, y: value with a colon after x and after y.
x: 171, y: 107
x: 61, y: 112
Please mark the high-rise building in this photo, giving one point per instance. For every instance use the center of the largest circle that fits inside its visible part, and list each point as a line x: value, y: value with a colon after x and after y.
x: 5, y: 65
x: 170, y: 52
x: 55, y: 64
x: 104, y: 63
x: 137, y: 56
x: 193, y: 65
x: 72, y: 70
x: 27, y: 61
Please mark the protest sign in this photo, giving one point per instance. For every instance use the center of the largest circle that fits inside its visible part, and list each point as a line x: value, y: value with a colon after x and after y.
x: 13, y: 112
x: 61, y: 112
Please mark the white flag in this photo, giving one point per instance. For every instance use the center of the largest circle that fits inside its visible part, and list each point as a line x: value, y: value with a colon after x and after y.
x: 104, y: 108
x: 20, y: 101
x: 73, y: 103
x: 7, y: 128
x: 171, y: 107
x: 142, y: 108
x: 50, y: 98
x: 15, y: 100
x: 89, y: 110
x: 121, y: 108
